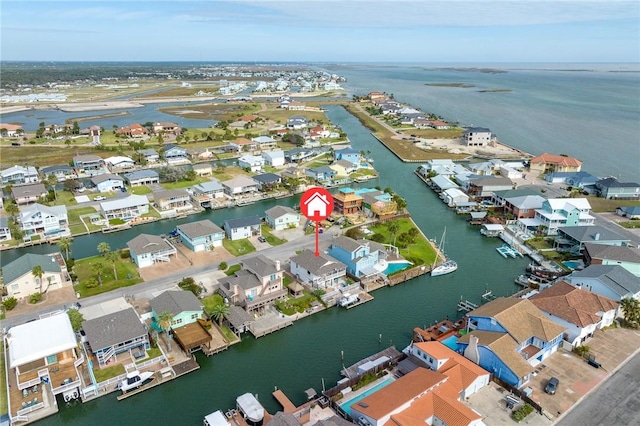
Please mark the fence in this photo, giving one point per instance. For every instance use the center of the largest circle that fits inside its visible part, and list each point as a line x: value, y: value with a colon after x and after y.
x: 520, y: 394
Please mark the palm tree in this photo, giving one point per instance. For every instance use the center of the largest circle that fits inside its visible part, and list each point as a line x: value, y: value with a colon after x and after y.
x: 65, y: 243
x: 11, y: 208
x: 631, y: 308
x: 104, y: 248
x: 113, y: 258
x: 38, y: 273
x: 51, y: 180
x: 98, y: 269
x: 219, y: 311
x: 393, y: 228
x: 164, y: 321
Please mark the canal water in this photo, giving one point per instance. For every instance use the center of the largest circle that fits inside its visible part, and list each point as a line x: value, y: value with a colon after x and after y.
x: 305, y: 354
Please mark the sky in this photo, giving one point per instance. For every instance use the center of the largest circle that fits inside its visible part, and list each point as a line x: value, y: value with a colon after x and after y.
x: 322, y: 31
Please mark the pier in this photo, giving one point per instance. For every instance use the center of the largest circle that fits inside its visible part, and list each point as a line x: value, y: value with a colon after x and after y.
x: 466, y: 306
x: 371, y: 362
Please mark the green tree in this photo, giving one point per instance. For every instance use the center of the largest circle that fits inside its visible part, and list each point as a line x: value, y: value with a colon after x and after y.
x: 76, y: 319
x: 51, y: 181
x: 631, y: 308
x: 219, y: 311
x: 164, y: 321
x: 11, y: 208
x: 393, y: 229
x: 113, y: 258
x: 98, y: 269
x: 76, y: 128
x: 65, y: 243
x: 38, y: 273
x: 104, y: 248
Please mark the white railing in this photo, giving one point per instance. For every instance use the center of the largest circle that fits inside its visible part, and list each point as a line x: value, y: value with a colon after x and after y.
x: 31, y: 383
x: 29, y: 409
x: 110, y: 382
x: 149, y: 362
x: 66, y: 387
x: 79, y: 361
x: 19, y: 419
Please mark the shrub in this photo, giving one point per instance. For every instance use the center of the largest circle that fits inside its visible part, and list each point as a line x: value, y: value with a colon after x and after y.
x: 223, y: 266
x: 124, y: 254
x: 582, y: 350
x: 70, y: 263
x: 9, y: 303
x: 91, y: 283
x: 35, y: 297
x: 521, y: 413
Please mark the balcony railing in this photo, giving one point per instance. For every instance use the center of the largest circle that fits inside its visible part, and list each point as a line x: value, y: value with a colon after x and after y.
x: 21, y: 413
x: 66, y: 387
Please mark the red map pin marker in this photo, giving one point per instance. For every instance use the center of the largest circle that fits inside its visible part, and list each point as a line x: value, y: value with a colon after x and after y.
x: 316, y: 204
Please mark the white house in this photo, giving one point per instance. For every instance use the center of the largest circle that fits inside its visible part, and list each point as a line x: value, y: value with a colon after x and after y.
x: 245, y: 227
x: 274, y: 158
x: 317, y: 205
x: 200, y: 235
x: 318, y: 271
x: 297, y: 122
x: 125, y: 208
x: 119, y: 162
x: 5, y: 231
x: 147, y: 249
x: 282, y: 217
x: 454, y: 196
x: 41, y: 219
x: 476, y: 136
x: 142, y: 177
x: 20, y: 281
x: 612, y: 281
x: 107, y: 182
x: 18, y: 174
x: 240, y: 185
x: 252, y: 162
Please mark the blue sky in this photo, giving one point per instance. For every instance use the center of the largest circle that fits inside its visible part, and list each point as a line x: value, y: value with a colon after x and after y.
x: 322, y: 31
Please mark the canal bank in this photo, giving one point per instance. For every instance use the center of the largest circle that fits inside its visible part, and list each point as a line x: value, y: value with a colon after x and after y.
x: 316, y: 341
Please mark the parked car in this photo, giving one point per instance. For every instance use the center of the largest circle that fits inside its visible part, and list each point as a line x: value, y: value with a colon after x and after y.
x: 99, y: 198
x: 552, y: 386
x: 262, y: 239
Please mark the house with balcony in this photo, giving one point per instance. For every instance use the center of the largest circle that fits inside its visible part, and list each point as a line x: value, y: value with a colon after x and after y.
x: 477, y: 136
x: 150, y: 155
x: 321, y: 174
x: 146, y: 250
x: 252, y: 162
x: 274, y: 158
x: 20, y: 282
x: 297, y: 122
x: 172, y: 199
x: 112, y: 335
x: 174, y: 154
x: 627, y: 257
x: 28, y: 193
x: 89, y: 165
x: 297, y: 155
x: 267, y: 181
x: 201, y: 235
x: 119, y: 162
x: 611, y: 189
x: 363, y: 258
x: 18, y: 175
x: 254, y: 287
x: 44, y: 220
x: 318, y: 272
x: 510, y: 337
x: 142, y: 177
x: 557, y: 213
x: 125, y: 208
x: 551, y: 163
x: 348, y: 154
x: 579, y: 311
x: 377, y: 204
x: 343, y: 168
x: 282, y: 217
x: 61, y: 172
x: 243, y: 144
x: 203, y: 169
x: 44, y: 354
x: 240, y: 185
x: 523, y: 207
x: 166, y: 127
x: 5, y: 231
x: 485, y: 186
x: 347, y: 202
x: 200, y: 154
x: 244, y: 227
x: 265, y: 142
x: 206, y: 192
x: 612, y: 281
x: 573, y: 238
x: 107, y: 182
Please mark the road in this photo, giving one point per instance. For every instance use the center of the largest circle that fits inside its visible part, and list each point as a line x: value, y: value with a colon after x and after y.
x: 615, y: 402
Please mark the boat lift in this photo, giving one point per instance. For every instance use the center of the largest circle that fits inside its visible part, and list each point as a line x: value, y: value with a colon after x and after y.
x: 466, y: 306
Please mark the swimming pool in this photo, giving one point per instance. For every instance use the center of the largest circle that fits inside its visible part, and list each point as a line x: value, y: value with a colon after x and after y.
x: 395, y: 267
x: 346, y: 406
x: 451, y: 342
x: 571, y: 264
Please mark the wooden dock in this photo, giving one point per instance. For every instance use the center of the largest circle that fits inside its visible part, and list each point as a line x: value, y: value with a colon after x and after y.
x: 352, y: 371
x: 466, y: 306
x: 287, y: 405
x: 362, y: 298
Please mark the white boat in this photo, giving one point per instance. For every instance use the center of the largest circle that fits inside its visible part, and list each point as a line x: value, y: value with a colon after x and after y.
x: 446, y: 267
x: 70, y: 395
x: 347, y: 299
x: 134, y: 380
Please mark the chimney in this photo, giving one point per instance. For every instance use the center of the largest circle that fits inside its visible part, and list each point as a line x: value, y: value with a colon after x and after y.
x: 471, y: 352
x: 277, y: 265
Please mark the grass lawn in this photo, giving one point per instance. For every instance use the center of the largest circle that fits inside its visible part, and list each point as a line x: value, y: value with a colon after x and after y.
x: 232, y: 269
x: 152, y: 213
x: 183, y: 183
x: 630, y: 224
x: 227, y: 173
x: 124, y: 267
x: 228, y: 334
x: 75, y: 224
x: 238, y: 247
x: 281, y: 115
x: 271, y: 239
x: 600, y: 205
x: 420, y: 252
x: 140, y: 190
x: 210, y: 302
x: 103, y: 374
x: 65, y: 198
x: 539, y: 244
x: 4, y: 407
x: 291, y: 306
x: 152, y: 353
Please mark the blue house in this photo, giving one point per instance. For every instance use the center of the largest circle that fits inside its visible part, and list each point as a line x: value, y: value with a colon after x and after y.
x: 363, y: 257
x: 174, y: 153
x: 510, y: 337
x: 322, y: 173
x: 349, y: 154
x: 610, y: 188
x: 201, y: 235
x: 573, y: 179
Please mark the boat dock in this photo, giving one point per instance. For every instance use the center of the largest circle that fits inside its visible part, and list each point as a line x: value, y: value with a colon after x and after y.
x: 507, y: 251
x: 158, y: 378
x: 387, y: 354
x: 362, y: 298
x: 287, y: 405
x: 466, y: 306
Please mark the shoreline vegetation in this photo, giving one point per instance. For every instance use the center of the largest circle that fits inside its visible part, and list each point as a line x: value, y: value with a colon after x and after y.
x: 462, y: 85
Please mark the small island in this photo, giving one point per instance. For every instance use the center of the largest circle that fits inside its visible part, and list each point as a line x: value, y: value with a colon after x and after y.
x: 495, y: 91
x: 463, y: 85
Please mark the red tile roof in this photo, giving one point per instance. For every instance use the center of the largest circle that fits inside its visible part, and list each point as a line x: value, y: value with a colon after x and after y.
x: 556, y: 159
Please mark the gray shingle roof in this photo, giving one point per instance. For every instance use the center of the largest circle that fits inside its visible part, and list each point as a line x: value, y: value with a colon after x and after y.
x: 278, y: 211
x: 622, y: 254
x: 105, y: 177
x: 317, y: 265
x: 617, y: 278
x: 146, y: 243
x: 169, y: 194
x: 24, y: 264
x: 175, y: 302
x: 242, y: 222
x: 260, y: 265
x: 348, y: 244
x: 53, y: 169
x: 591, y: 233
x: 243, y: 279
x: 140, y: 174
x: 200, y: 228
x: 111, y: 329
x: 29, y: 190
x: 267, y: 178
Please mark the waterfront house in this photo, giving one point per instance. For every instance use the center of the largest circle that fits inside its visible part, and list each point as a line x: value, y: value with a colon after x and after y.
x: 559, y: 212
x: 444, y: 167
x: 206, y: 192
x: 89, y: 165
x: 199, y: 154
x: 107, y: 182
x: 297, y: 155
x: 240, y: 185
x: 10, y: 130
x: 146, y: 250
x: 297, y: 122
x: 274, y: 158
x: 318, y: 272
x: 438, y: 357
x: 28, y: 193
x: 377, y: 204
x: 441, y: 183
x: 45, y: 355
x: 630, y: 212
x: 5, y: 231
x: 125, y: 208
x: 134, y: 130
x: 265, y: 142
x: 363, y: 258
x: 485, y: 186
x: 321, y: 174
x: 166, y: 127
x: 202, y: 169
x: 453, y: 197
x: 611, y: 189
x: 244, y: 227
x: 579, y: 180
x: 174, y: 154
x: 477, y: 136
x: 510, y: 337
x: 267, y: 181
x: 282, y: 217
x: 349, y: 154
x: 612, y: 281
x: 20, y: 282
x: 573, y: 238
x: 142, y: 177
x: 420, y: 397
x: 550, y: 163
x: 201, y: 235
x: 252, y: 162
x: 40, y: 219
x: 170, y: 199
x: 119, y: 162
x: 18, y: 174
x: 150, y: 155
x: 257, y: 285
x: 346, y: 202
x: 523, y: 207
x: 344, y: 168
x: 61, y: 172
x: 627, y: 257
x: 499, y: 197
x: 243, y: 144
x: 579, y: 311
x: 117, y: 333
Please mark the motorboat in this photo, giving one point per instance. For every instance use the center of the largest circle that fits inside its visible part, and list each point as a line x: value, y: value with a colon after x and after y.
x: 444, y: 268
x: 347, y: 299
x: 134, y: 380
x: 70, y: 395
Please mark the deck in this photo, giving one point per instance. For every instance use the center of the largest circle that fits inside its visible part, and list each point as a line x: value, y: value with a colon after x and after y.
x: 352, y: 371
x: 362, y: 298
x: 287, y: 405
x: 191, y: 336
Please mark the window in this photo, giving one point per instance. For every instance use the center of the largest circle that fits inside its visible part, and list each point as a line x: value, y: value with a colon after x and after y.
x: 52, y: 359
x: 194, y: 316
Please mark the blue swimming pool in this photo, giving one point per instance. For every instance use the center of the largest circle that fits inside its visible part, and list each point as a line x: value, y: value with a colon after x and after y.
x: 346, y: 406
x: 395, y: 267
x: 451, y: 342
x: 572, y: 264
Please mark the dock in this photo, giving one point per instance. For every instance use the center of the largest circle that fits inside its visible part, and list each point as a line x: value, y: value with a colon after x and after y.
x: 362, y: 298
x: 287, y: 405
x: 354, y: 370
x: 158, y: 378
x: 466, y: 306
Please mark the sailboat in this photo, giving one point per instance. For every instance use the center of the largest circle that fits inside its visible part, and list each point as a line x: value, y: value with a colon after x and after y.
x: 446, y: 267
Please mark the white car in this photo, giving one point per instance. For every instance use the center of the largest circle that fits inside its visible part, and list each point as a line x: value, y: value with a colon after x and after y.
x: 99, y: 198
